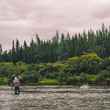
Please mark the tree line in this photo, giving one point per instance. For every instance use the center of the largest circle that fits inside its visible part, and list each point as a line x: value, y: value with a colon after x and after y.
x: 60, y: 47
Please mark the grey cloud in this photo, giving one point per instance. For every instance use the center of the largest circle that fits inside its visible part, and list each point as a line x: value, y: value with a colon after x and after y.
x: 23, y: 18
x: 101, y: 9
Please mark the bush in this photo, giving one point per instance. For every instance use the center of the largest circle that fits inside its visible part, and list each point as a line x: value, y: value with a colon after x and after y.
x: 89, y: 63
x: 103, y: 78
x: 59, y: 67
x: 83, y: 78
x: 104, y: 75
x: 48, y: 82
x: 91, y: 79
x: 3, y: 81
x: 31, y: 77
x: 75, y: 80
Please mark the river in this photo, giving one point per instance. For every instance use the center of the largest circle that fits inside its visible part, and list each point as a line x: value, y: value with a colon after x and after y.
x: 55, y: 98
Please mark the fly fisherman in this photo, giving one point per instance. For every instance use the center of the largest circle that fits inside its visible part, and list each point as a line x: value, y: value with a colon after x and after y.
x: 16, y: 84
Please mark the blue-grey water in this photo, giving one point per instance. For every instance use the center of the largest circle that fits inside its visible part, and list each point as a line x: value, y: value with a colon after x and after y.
x: 55, y: 98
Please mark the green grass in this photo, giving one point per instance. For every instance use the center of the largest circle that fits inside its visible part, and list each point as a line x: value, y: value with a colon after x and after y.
x: 48, y: 82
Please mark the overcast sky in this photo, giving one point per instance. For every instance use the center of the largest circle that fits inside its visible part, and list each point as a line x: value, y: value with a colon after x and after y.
x: 22, y: 19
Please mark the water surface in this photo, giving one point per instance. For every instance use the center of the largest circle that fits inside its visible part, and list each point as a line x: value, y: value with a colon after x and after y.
x: 53, y: 98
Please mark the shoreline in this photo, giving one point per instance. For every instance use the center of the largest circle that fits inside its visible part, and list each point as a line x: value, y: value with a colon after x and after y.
x: 59, y: 89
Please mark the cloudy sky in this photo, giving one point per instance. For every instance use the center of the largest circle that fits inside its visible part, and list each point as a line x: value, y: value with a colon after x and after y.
x: 22, y: 19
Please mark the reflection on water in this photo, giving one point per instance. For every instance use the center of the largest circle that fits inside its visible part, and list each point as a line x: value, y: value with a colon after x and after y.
x: 75, y: 99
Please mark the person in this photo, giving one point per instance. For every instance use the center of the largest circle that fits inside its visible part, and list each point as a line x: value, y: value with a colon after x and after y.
x: 16, y: 84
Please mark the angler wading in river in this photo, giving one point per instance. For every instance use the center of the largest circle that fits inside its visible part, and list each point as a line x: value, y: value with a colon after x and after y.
x: 16, y: 83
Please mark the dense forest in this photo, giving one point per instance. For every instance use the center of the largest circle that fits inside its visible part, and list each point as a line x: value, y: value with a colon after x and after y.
x: 65, y: 59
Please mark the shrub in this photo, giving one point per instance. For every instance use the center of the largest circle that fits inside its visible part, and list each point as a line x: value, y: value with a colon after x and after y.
x: 31, y: 77
x: 3, y: 81
x: 75, y: 80
x: 104, y: 75
x: 91, y: 79
x: 73, y: 60
x: 59, y: 67
x: 89, y: 63
x: 88, y: 78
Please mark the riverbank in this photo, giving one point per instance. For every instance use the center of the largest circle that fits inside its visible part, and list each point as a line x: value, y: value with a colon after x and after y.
x: 59, y: 89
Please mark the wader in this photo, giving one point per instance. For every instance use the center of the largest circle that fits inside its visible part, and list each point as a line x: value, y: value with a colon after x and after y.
x: 17, y: 90
x: 16, y: 83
